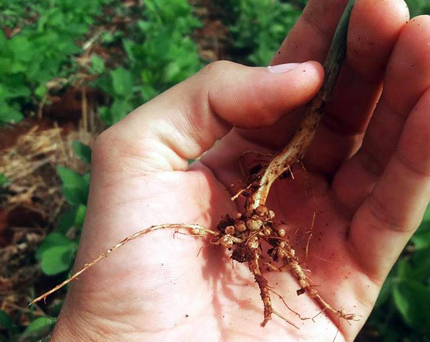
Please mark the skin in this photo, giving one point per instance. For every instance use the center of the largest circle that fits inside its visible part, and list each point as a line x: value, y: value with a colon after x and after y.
x: 367, y: 183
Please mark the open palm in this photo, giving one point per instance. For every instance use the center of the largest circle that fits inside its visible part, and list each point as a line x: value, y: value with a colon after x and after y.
x: 348, y: 216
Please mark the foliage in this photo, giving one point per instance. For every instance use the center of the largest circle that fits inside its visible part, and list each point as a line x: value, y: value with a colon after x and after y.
x: 75, y: 186
x: 3, y: 180
x: 6, y: 324
x: 160, y: 53
x: 82, y: 151
x: 57, y: 251
x: 41, y: 326
x: 417, y: 7
x: 38, y: 328
x: 258, y: 27
x: 15, y: 13
x: 41, y: 51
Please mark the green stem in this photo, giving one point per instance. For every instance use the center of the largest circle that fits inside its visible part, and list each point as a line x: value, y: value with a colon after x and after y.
x: 337, y: 52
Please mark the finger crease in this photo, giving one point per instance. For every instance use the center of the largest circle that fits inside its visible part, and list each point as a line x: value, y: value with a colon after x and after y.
x: 311, y: 21
x: 339, y: 126
x: 364, y: 268
x: 393, y: 109
x: 380, y: 212
x: 410, y: 166
x: 371, y: 163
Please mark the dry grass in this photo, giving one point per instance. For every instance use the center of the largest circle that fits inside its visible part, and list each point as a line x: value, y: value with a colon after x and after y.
x: 30, y: 207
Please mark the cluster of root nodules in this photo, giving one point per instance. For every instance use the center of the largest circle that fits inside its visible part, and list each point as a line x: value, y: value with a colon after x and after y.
x: 245, y: 235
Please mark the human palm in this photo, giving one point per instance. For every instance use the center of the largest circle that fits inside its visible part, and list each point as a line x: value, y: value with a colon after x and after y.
x: 348, y: 215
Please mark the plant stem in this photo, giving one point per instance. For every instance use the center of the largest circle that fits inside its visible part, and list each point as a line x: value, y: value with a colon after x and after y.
x: 298, y: 145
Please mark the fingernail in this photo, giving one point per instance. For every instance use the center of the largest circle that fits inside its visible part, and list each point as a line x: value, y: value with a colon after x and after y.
x: 280, y: 68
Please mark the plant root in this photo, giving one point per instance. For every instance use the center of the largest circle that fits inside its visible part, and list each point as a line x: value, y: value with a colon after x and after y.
x: 195, y: 230
x: 295, y: 312
x: 245, y: 234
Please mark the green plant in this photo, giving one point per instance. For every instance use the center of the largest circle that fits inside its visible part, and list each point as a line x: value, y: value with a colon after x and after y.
x: 41, y: 52
x: 37, y: 329
x: 57, y: 251
x: 418, y: 7
x: 16, y: 13
x: 259, y: 26
x: 3, y: 180
x: 7, y: 325
x: 159, y: 54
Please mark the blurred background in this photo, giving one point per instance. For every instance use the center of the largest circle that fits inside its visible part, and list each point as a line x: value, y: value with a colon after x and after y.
x: 71, y: 68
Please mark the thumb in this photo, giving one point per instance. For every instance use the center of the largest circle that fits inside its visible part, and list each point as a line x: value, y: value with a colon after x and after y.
x: 185, y: 121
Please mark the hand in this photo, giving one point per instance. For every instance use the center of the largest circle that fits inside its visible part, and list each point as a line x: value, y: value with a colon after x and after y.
x: 368, y: 172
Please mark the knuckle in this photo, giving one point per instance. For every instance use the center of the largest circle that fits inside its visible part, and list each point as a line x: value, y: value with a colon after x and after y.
x: 217, y: 68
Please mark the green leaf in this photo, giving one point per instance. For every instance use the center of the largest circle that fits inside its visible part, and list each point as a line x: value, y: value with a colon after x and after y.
x: 52, y: 240
x: 426, y: 218
x: 120, y: 108
x: 40, y: 326
x: 12, y: 88
x: 421, y: 266
x: 97, y: 64
x: 106, y: 115
x: 417, y: 7
x: 386, y: 291
x: 22, y: 48
x: 147, y: 92
x: 129, y: 47
x: 68, y: 48
x: 9, y: 114
x: 80, y: 216
x: 3, y: 180
x: 75, y: 186
x: 421, y: 239
x: 67, y: 221
x: 58, y: 259
x: 404, y: 269
x: 171, y: 72
x: 412, y: 299
x: 41, y: 90
x: 122, y: 81
x: 5, y: 320
x: 55, y: 309
x: 82, y: 151
x: 107, y: 38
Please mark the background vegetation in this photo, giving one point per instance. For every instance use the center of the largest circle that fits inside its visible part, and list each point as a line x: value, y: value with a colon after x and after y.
x: 109, y: 56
